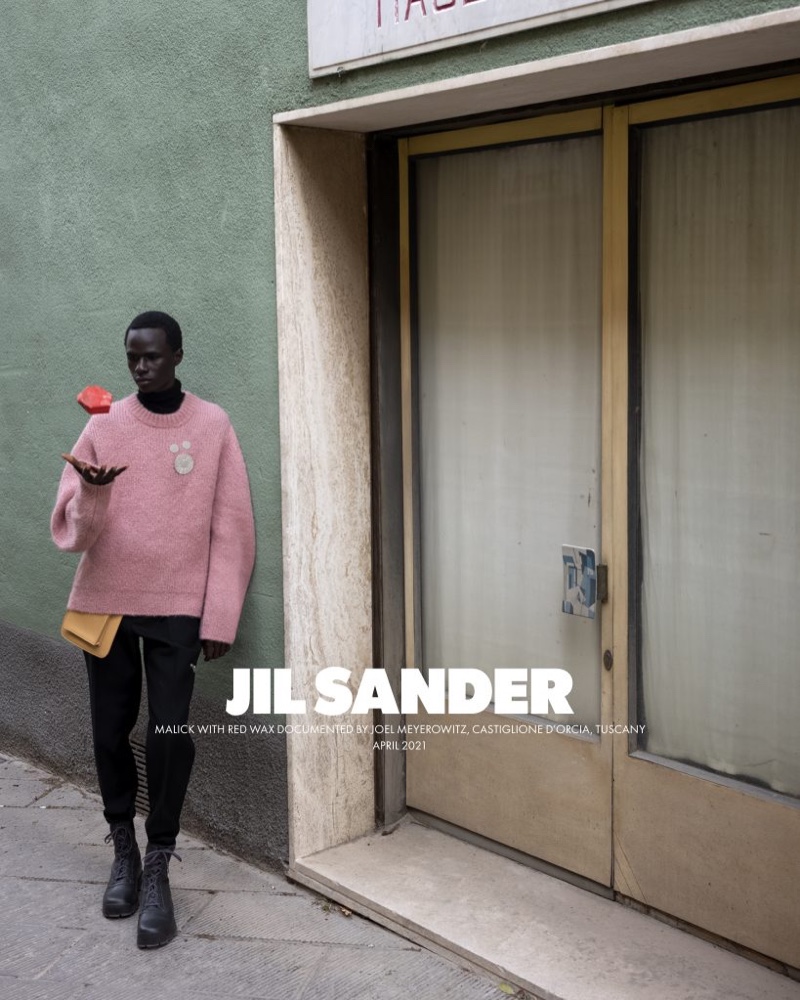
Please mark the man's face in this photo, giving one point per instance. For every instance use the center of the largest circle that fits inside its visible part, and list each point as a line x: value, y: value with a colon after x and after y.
x: 151, y: 361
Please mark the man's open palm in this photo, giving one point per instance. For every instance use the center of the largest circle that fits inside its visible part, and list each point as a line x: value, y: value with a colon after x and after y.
x: 97, y: 475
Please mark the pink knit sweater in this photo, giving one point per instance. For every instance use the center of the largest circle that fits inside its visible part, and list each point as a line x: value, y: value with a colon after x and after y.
x: 173, y: 534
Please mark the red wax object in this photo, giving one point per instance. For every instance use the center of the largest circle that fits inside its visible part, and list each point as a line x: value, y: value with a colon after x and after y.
x: 95, y: 399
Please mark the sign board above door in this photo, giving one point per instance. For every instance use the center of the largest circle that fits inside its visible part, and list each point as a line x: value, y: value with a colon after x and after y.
x: 344, y: 34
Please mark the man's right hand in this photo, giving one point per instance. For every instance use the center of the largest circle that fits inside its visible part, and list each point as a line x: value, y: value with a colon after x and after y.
x: 96, y: 475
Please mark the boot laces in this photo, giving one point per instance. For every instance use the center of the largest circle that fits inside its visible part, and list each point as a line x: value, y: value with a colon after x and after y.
x: 156, y: 873
x: 125, y: 852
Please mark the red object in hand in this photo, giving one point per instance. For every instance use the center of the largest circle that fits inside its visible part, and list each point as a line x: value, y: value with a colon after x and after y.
x: 95, y: 399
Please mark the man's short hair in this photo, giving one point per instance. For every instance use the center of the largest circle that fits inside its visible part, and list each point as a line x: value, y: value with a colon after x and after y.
x: 155, y: 320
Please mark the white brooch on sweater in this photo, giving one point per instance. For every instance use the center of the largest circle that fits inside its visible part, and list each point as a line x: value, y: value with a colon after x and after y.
x: 183, y: 463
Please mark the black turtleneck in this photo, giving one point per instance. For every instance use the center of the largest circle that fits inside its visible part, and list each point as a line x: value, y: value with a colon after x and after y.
x: 166, y: 401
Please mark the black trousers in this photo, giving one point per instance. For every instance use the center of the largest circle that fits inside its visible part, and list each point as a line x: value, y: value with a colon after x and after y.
x: 171, y: 647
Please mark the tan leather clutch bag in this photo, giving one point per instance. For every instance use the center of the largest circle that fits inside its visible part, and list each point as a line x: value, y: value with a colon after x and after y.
x: 91, y: 632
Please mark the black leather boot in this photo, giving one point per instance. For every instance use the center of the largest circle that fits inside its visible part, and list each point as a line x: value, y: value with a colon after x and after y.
x: 156, y: 918
x: 121, y: 897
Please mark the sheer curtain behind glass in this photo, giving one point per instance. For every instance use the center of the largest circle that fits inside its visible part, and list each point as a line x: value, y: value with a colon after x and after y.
x: 720, y: 287
x: 509, y: 375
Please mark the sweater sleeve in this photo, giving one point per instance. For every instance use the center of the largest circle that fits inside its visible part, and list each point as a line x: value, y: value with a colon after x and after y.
x: 80, y: 510
x: 232, y: 550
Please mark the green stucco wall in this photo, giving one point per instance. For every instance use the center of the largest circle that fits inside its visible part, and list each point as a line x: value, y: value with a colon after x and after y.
x: 135, y: 172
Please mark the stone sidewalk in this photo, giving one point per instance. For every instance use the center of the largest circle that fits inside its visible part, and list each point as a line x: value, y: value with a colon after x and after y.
x: 242, y: 932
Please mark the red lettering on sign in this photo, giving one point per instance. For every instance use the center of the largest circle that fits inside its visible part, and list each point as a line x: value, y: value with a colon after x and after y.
x: 438, y: 7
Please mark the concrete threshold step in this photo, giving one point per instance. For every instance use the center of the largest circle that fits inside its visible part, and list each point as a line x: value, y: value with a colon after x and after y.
x: 554, y: 940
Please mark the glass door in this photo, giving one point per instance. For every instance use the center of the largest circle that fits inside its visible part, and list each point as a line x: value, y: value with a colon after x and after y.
x: 506, y: 358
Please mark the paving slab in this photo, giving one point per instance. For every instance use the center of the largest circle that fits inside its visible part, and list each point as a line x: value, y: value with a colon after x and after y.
x: 211, y: 869
x: 17, y: 989
x: 76, y: 906
x: 14, y: 765
x: 290, y: 916
x: 68, y: 797
x: 27, y: 955
x: 22, y: 791
x: 240, y: 968
x: 69, y: 904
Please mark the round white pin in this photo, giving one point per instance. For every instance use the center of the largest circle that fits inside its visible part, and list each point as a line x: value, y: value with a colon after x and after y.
x: 183, y: 463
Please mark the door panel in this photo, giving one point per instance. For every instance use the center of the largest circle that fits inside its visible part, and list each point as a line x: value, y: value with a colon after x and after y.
x: 544, y: 795
x: 717, y: 856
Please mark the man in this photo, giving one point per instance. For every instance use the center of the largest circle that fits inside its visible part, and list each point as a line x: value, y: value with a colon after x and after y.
x: 157, y: 499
